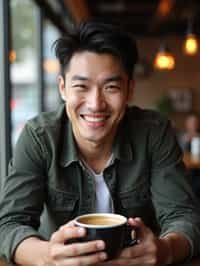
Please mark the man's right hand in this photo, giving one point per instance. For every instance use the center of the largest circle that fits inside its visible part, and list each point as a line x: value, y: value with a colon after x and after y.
x: 62, y: 253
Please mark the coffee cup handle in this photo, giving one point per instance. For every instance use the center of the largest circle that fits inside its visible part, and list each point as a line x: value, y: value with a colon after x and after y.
x: 129, y: 241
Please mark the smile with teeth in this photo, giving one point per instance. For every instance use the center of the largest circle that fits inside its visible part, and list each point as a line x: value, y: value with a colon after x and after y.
x: 94, y: 119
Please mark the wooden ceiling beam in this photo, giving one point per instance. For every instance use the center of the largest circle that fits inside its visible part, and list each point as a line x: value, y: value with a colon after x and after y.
x: 110, y: 7
x: 78, y: 9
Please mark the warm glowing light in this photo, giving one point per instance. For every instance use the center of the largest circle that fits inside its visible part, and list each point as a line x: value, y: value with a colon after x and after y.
x: 191, y: 45
x: 12, y: 56
x: 165, y: 7
x: 164, y: 61
x: 51, y: 66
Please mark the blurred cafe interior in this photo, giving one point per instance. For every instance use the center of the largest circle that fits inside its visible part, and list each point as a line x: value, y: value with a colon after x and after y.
x: 167, y: 74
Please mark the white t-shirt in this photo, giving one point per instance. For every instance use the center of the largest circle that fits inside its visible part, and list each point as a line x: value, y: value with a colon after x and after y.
x: 104, y: 203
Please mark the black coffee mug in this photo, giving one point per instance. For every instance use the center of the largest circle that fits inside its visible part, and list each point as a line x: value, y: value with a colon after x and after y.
x: 111, y: 228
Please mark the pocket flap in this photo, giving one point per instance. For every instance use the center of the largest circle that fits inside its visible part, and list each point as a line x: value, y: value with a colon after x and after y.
x: 134, y: 198
x: 61, y: 200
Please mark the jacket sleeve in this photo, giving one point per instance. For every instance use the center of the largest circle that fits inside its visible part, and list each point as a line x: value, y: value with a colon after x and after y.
x: 177, y: 208
x: 22, y: 193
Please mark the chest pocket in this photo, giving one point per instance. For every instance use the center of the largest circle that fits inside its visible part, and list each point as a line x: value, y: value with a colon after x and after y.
x: 62, y: 206
x: 134, y: 201
x: 137, y: 203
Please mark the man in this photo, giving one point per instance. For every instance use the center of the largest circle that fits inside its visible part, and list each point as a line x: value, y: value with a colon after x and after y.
x: 97, y: 155
x: 192, y: 130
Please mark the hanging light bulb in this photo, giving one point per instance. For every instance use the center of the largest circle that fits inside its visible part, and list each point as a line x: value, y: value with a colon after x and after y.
x: 190, y: 45
x: 164, y: 59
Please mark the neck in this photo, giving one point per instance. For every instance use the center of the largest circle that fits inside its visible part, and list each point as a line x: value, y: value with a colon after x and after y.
x: 96, y: 155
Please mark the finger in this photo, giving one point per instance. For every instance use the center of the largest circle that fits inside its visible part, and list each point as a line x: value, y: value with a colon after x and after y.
x: 77, y: 249
x: 85, y: 260
x: 142, y: 230
x: 136, y: 222
x: 134, y: 251
x: 69, y: 224
x: 146, y: 248
x: 66, y: 233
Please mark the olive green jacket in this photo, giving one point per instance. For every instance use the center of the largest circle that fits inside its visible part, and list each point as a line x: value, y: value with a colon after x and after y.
x: 47, y: 186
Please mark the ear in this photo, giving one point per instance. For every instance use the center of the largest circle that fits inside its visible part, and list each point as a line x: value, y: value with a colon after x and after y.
x: 130, y: 90
x: 61, y: 83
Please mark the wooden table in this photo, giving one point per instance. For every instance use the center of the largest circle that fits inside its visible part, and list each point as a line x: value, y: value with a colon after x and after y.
x: 191, y: 162
x: 194, y: 262
x: 2, y: 263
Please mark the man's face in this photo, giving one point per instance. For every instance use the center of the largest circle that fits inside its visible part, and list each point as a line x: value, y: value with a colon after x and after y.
x: 96, y: 92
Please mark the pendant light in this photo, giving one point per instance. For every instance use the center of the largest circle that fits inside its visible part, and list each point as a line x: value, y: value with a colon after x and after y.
x: 190, y: 45
x: 164, y: 59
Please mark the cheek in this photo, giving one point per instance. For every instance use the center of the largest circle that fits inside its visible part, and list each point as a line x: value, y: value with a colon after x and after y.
x: 119, y: 108
x: 73, y: 103
x: 118, y: 104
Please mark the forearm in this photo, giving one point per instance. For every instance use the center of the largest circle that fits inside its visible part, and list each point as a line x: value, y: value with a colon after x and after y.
x: 176, y: 247
x: 32, y: 252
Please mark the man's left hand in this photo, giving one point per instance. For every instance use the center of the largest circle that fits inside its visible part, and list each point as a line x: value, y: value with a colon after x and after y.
x: 150, y: 250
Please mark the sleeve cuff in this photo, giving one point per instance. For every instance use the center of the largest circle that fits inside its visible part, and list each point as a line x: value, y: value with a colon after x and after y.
x: 14, y: 238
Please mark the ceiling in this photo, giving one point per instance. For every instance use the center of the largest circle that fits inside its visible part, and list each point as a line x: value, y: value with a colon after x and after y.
x: 142, y: 17
x: 149, y: 17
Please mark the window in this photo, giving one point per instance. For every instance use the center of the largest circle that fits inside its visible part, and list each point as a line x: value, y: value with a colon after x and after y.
x: 23, y: 58
x: 51, y: 67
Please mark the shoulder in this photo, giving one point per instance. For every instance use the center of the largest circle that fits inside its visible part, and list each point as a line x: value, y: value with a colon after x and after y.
x: 41, y: 134
x: 44, y: 129
x: 47, y: 121
x: 145, y: 117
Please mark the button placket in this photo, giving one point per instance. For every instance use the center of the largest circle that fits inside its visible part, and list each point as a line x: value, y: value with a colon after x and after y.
x: 88, y: 193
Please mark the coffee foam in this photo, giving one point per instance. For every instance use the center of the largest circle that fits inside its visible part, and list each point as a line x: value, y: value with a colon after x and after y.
x: 101, y: 220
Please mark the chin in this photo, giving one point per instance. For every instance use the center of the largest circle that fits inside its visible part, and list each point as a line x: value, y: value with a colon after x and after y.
x: 93, y: 138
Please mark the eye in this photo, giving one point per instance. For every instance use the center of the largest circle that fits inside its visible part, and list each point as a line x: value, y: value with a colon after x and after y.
x: 112, y: 88
x: 79, y: 87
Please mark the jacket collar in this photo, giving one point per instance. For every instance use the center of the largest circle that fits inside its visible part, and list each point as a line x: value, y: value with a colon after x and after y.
x: 69, y: 152
x: 122, y: 148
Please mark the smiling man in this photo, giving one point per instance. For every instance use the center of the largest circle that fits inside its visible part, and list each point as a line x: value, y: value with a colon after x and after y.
x: 96, y: 90
x: 96, y: 154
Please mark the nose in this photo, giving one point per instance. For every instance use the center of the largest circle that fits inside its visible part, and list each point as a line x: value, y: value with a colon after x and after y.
x: 96, y: 100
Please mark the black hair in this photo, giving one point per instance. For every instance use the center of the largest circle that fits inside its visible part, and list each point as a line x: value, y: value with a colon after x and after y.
x: 99, y: 37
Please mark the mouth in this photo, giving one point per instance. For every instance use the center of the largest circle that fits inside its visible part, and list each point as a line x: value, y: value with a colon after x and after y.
x: 95, y: 121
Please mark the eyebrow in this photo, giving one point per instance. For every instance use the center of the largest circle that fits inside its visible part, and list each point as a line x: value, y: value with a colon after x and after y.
x: 106, y: 80
x: 113, y: 78
x: 77, y: 77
